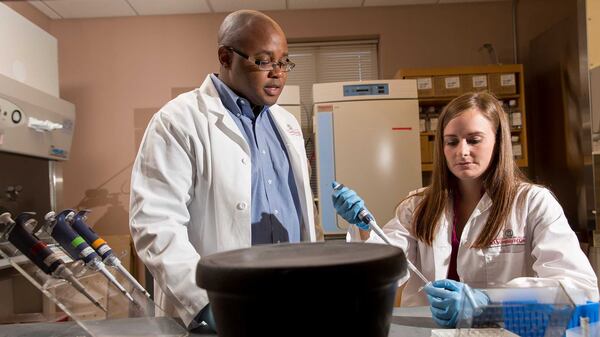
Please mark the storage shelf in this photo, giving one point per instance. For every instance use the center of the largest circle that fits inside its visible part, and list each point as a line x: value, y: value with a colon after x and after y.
x: 446, y: 100
x: 438, y: 95
x: 462, y: 70
x: 432, y: 133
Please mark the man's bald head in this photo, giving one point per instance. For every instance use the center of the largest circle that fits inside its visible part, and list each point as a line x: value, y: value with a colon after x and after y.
x: 240, y: 25
x: 246, y: 39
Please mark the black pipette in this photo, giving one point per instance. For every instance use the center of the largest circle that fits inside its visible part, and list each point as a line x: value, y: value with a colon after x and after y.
x: 38, y: 252
x: 57, y: 226
x: 102, y: 248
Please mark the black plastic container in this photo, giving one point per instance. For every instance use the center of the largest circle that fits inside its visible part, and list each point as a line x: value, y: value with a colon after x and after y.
x: 306, y: 289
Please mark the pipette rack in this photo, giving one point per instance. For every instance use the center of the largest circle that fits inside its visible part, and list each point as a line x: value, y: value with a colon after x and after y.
x: 122, y: 317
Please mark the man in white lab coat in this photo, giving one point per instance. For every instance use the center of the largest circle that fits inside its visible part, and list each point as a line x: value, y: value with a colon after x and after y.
x: 221, y: 167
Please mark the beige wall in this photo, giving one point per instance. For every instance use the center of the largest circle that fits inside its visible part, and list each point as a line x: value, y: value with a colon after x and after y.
x: 31, y: 13
x: 111, y: 69
x: 114, y: 70
x: 414, y: 36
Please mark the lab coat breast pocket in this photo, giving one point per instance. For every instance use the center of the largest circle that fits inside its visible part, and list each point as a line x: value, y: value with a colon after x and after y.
x: 504, y: 261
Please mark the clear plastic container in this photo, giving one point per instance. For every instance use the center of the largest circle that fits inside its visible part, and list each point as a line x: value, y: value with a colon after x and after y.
x: 538, y: 311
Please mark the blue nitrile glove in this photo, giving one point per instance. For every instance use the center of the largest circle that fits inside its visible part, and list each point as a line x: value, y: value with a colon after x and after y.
x: 449, y: 301
x: 348, y: 204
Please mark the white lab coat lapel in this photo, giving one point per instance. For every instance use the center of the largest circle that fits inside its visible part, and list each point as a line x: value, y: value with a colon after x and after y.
x: 442, y: 245
x: 477, y: 220
x: 484, y: 203
x: 214, y: 106
x: 294, y: 144
x: 473, y: 258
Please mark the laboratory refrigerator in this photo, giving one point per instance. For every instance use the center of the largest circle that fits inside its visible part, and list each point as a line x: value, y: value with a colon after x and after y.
x: 367, y: 136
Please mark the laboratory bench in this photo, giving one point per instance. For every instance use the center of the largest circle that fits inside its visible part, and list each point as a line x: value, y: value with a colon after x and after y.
x: 406, y: 322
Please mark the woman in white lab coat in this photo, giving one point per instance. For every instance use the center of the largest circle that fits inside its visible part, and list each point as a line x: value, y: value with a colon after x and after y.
x: 479, y: 222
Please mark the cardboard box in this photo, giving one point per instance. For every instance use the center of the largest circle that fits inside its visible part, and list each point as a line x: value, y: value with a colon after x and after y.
x: 503, y: 83
x: 447, y: 86
x: 474, y: 83
x: 425, y: 86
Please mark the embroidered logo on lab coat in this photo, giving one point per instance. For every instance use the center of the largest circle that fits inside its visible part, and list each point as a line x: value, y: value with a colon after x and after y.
x: 508, y: 238
x: 518, y: 240
x: 293, y: 131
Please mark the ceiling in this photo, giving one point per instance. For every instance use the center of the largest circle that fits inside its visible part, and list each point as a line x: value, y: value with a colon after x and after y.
x: 70, y: 9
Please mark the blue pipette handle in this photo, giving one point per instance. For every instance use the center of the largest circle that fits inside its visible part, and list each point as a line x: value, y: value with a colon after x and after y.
x: 72, y: 242
x: 102, y: 247
x: 90, y: 236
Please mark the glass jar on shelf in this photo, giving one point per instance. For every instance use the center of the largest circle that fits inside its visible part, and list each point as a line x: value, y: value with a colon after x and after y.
x: 515, y: 114
x: 517, y: 148
x: 422, y: 120
x: 432, y: 117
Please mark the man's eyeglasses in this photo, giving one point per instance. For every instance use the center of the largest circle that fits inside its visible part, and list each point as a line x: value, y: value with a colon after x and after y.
x: 266, y: 65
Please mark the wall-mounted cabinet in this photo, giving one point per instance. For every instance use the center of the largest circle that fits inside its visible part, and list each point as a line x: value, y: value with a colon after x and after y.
x: 438, y: 86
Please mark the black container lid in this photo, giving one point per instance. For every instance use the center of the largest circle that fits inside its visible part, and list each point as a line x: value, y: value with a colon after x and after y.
x: 326, y: 265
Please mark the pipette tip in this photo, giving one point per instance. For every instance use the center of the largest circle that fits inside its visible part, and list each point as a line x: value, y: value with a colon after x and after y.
x: 114, y: 281
x: 128, y: 296
x: 384, y: 237
x: 423, y: 286
x: 132, y: 279
x: 99, y: 305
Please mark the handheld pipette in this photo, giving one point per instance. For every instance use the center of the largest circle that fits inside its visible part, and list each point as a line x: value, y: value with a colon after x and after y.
x: 57, y: 226
x: 102, y: 247
x: 367, y: 218
x: 38, y: 252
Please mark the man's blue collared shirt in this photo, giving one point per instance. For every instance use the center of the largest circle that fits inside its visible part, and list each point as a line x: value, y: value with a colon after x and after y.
x: 276, y: 214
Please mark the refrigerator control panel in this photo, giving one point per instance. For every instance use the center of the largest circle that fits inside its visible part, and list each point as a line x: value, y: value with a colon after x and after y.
x: 366, y: 89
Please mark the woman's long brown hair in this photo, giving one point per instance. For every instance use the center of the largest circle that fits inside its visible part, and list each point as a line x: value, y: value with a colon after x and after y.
x: 501, y: 180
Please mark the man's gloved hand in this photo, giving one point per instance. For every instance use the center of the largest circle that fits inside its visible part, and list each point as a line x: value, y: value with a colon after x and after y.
x: 348, y: 204
x: 449, y: 301
x: 206, y: 316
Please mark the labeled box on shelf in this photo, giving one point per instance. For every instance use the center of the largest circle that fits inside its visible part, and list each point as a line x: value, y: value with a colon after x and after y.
x: 425, y: 87
x: 447, y: 86
x: 475, y: 82
x: 503, y: 83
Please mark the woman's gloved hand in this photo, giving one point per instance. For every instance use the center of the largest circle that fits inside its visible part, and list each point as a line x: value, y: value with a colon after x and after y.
x: 449, y: 301
x: 348, y: 204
